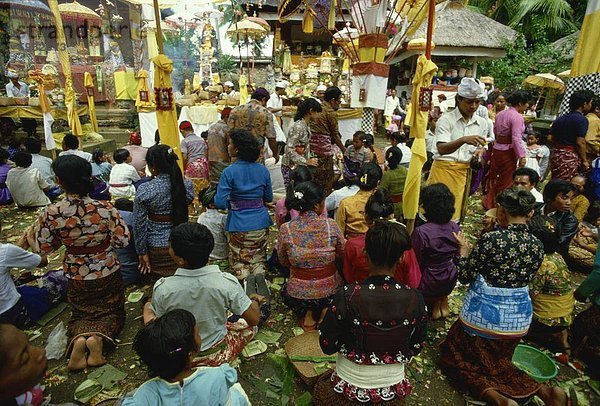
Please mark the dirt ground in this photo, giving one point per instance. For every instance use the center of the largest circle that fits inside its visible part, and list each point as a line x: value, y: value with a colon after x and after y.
x: 264, y: 381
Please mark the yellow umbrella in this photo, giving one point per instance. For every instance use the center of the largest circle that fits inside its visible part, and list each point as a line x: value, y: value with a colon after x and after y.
x: 88, y: 82
x: 545, y: 80
x: 565, y: 74
x: 63, y: 55
x: 75, y: 11
x: 247, y: 28
x: 418, y: 127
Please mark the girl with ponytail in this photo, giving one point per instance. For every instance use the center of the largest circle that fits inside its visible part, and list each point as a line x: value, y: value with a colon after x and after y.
x: 160, y: 204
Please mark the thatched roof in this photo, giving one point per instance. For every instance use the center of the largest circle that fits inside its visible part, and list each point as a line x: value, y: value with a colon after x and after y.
x: 566, y: 46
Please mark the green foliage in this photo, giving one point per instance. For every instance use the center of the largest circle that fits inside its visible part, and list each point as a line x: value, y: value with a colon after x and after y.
x: 226, y: 66
x: 521, y: 61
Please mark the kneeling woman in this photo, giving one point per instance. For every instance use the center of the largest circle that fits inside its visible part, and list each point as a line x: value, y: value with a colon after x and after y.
x: 376, y: 327
x: 309, y: 245
x: 497, y: 309
x: 90, y: 230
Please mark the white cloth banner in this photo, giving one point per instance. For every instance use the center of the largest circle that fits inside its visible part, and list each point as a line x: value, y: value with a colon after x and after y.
x: 48, y: 138
x: 375, y: 88
x: 148, y: 126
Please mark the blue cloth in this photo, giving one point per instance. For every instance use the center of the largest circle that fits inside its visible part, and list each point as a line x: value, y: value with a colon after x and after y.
x: 101, y: 170
x: 245, y: 181
x: 154, y: 197
x: 567, y: 128
x: 496, y: 313
x: 128, y: 256
x: 205, y: 387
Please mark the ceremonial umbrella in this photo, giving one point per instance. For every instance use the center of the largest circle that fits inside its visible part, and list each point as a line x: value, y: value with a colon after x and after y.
x: 545, y: 80
x: 565, y: 74
x: 26, y: 8
x: 247, y: 29
x: 77, y: 12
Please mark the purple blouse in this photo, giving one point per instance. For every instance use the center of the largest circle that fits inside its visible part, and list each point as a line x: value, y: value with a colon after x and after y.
x: 5, y: 196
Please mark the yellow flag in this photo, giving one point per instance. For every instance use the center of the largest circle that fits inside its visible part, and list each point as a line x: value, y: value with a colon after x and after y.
x: 244, y: 96
x: 166, y: 115
x: 418, y: 127
x: 63, y: 56
x: 144, y: 99
x: 88, y: 83
x: 587, y: 57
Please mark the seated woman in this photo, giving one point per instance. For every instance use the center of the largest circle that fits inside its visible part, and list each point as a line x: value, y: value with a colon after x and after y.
x: 296, y: 177
x: 376, y: 327
x: 551, y: 291
x: 167, y: 346
x: 496, y: 312
x: 356, y: 267
x: 5, y: 196
x: 90, y: 230
x: 350, y: 215
x: 436, y: 250
x: 582, y: 249
x: 310, y: 245
x: 394, y: 178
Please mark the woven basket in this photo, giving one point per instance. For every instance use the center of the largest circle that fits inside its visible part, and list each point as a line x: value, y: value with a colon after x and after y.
x: 7, y: 101
x: 306, y: 344
x: 34, y: 101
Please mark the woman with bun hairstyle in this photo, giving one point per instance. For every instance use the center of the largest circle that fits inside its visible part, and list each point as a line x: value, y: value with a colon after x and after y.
x: 160, y: 205
x: 90, y: 230
x: 350, y: 215
x: 356, y: 267
x: 394, y: 177
x: 309, y: 245
x: 436, y: 249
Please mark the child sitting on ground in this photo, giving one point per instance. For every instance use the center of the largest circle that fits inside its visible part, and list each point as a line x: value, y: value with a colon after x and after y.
x: 215, y: 221
x: 398, y: 139
x: 208, y: 293
x: 393, y: 179
x: 22, y: 368
x: 26, y: 184
x: 123, y: 175
x: 355, y: 156
x: 167, y: 346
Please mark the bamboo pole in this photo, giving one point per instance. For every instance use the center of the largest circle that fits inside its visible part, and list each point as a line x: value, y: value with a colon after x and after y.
x: 159, y: 37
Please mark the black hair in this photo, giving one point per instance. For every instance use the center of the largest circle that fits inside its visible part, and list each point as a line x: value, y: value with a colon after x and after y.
x: 156, y: 137
x: 4, y: 155
x: 121, y: 155
x: 593, y: 213
x: 393, y: 156
x: 71, y: 141
x: 579, y: 98
x: 22, y: 159
x: 386, y: 242
x: 332, y: 93
x: 124, y: 204
x: 166, y: 343
x: 33, y: 145
x: 517, y: 97
x: 204, y: 134
x: 557, y: 187
x: 96, y: 155
x: 192, y: 242
x: 369, y: 140
x: 533, y: 176
x: 347, y: 143
x: 75, y: 174
x: 299, y: 175
x: 398, y: 136
x: 438, y: 203
x: 164, y: 161
x: 247, y: 146
x: 305, y: 196
x: 14, y: 142
x: 360, y: 134
x: 595, y: 103
x: 517, y: 202
x: 545, y: 229
x: 306, y: 106
x: 379, y: 205
x: 369, y: 176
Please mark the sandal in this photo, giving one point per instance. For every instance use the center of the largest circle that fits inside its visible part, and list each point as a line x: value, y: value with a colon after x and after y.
x: 310, y: 327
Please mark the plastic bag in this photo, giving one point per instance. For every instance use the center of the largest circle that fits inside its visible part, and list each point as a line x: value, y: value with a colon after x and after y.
x: 57, y: 342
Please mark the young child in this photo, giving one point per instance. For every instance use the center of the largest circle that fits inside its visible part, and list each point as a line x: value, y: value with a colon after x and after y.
x: 436, y: 249
x: 101, y: 168
x: 208, y: 294
x: 535, y: 153
x: 579, y: 203
x: 26, y: 184
x: 582, y: 250
x: 5, y: 196
x: 393, y: 178
x: 355, y: 156
x: 167, y: 347
x: 123, y: 175
x: 398, y: 139
x: 22, y: 368
x: 215, y: 221
x: 127, y: 255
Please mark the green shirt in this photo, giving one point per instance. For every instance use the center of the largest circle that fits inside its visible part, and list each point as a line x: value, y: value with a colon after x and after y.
x: 393, y: 181
x: 590, y: 287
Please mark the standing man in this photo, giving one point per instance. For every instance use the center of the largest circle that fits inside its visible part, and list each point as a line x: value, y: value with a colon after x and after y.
x: 458, y: 136
x: 257, y: 119
x: 325, y: 132
x: 320, y: 93
x: 17, y: 89
x: 392, y: 103
x: 218, y: 156
x: 275, y: 103
x: 568, y: 137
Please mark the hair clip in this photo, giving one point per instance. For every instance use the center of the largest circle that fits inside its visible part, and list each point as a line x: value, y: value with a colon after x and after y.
x: 298, y: 195
x: 364, y: 178
x: 170, y: 150
x: 176, y: 350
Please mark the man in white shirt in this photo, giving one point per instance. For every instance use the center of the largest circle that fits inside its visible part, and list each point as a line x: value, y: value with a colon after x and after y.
x: 26, y: 184
x: 459, y: 135
x: 443, y: 103
x: 16, y: 88
x: 320, y: 92
x: 229, y: 92
x: 40, y: 162
x: 392, y: 103
x: 275, y: 102
x: 332, y: 202
x: 527, y: 178
x: 70, y: 146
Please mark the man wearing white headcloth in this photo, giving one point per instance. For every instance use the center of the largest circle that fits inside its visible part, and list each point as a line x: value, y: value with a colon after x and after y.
x: 18, y: 89
x: 275, y: 103
x: 320, y: 93
x: 229, y: 92
x: 459, y: 135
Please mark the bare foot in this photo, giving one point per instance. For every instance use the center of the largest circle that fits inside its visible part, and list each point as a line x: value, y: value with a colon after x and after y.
x: 94, y: 344
x: 495, y: 398
x: 308, y: 323
x: 552, y: 396
x: 323, y: 313
x: 77, y: 361
x: 444, y: 308
x: 436, y: 313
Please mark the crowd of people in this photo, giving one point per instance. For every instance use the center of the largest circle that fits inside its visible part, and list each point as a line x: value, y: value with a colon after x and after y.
x: 354, y: 271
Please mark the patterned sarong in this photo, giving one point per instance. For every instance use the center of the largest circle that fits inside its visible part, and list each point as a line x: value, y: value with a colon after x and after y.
x: 229, y: 348
x: 499, y: 177
x: 161, y: 262
x: 496, y: 313
x: 215, y: 169
x: 248, y: 252
x: 564, y: 163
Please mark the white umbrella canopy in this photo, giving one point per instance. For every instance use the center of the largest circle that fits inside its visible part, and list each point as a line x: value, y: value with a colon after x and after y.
x: 545, y: 80
x: 565, y: 74
x: 246, y: 27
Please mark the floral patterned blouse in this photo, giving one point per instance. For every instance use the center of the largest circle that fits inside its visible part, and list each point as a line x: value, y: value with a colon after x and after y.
x: 299, y: 134
x: 376, y: 322
x: 506, y: 258
x: 82, y: 222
